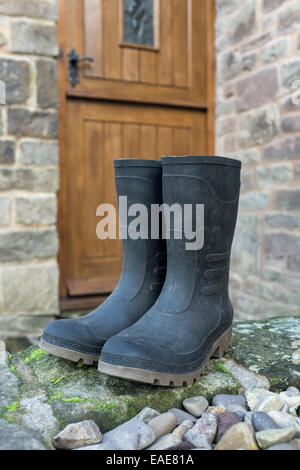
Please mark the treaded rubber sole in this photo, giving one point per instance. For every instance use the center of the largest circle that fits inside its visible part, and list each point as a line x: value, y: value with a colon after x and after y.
x: 69, y: 354
x: 168, y: 380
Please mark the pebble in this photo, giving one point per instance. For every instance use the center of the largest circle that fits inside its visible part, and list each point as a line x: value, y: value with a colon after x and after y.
x: 290, y: 400
x: 227, y: 400
x: 206, y: 425
x: 84, y: 433
x: 284, y: 420
x: 183, y: 428
x: 269, y: 403
x: 147, y: 414
x: 239, y: 436
x: 214, y: 410
x: 132, y: 435
x: 239, y: 410
x: 225, y: 421
x: 165, y: 442
x: 261, y: 422
x: 200, y: 441
x: 195, y: 405
x: 271, y: 437
x: 255, y: 395
x: 293, y: 390
x: 182, y: 415
x: 185, y: 445
x: 163, y: 424
x: 283, y: 446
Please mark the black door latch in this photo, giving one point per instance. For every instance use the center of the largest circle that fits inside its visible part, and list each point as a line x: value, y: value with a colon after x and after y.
x: 74, y: 60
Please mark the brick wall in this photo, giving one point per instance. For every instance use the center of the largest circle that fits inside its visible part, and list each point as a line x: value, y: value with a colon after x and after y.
x: 28, y: 165
x: 258, y: 61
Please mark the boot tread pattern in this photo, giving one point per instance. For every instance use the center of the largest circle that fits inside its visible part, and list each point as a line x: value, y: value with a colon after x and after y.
x: 168, y: 380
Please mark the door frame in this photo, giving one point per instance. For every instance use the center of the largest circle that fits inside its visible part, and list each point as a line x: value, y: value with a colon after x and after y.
x: 62, y: 193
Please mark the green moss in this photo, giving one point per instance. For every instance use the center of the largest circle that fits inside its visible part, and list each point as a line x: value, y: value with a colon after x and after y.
x: 59, y: 396
x: 274, y: 380
x: 10, y: 410
x: 74, y: 400
x: 220, y: 368
x: 56, y: 381
x: 13, y: 407
x: 12, y: 368
x: 106, y: 407
x: 37, y: 354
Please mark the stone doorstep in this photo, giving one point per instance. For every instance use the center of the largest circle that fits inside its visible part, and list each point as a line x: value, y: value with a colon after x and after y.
x: 44, y: 393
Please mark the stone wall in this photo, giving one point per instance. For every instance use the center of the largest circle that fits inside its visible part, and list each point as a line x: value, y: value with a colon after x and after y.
x: 28, y: 165
x: 258, y: 63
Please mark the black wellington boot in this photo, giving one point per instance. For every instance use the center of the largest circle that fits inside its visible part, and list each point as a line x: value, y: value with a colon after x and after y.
x: 191, y: 320
x: 142, y: 277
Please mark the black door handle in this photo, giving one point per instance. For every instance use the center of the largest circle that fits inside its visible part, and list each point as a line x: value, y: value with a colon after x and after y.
x: 74, y: 60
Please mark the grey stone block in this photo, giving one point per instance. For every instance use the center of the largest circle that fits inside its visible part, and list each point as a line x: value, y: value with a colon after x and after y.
x: 282, y: 250
x: 24, y: 123
x: 4, y: 210
x: 21, y: 245
x: 245, y: 250
x: 274, y: 175
x: 286, y: 149
x: 274, y: 50
x: 291, y: 123
x: 31, y: 289
x: 47, y: 84
x: 7, y: 152
x: 258, y: 89
x: 37, y: 179
x: 270, y: 5
x: 44, y: 9
x: 16, y: 76
x: 287, y: 199
x: 242, y: 22
x: 290, y: 73
x: 255, y: 201
x: 231, y: 65
x: 282, y: 220
x: 259, y: 126
x: 39, y: 210
x: 289, y: 17
x: 38, y: 152
x: 31, y: 37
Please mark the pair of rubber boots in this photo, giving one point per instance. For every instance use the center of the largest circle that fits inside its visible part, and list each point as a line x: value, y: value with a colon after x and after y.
x: 170, y: 312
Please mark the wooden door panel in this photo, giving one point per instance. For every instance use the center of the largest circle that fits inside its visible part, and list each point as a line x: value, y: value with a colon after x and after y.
x: 97, y: 134
x: 132, y: 101
x: 174, y: 73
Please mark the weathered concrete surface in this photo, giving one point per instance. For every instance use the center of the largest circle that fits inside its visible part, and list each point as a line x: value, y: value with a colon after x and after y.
x: 42, y: 393
x: 270, y: 348
x: 47, y: 393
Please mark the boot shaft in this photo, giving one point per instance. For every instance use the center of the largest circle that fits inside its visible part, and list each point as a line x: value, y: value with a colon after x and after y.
x: 144, y: 260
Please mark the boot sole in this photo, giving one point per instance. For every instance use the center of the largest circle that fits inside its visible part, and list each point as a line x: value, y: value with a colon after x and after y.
x: 69, y: 354
x: 218, y: 349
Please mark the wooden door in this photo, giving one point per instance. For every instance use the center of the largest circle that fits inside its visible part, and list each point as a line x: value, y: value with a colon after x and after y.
x: 147, y: 93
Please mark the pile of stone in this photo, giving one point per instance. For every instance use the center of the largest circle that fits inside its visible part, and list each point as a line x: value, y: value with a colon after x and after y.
x: 259, y: 419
